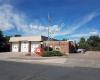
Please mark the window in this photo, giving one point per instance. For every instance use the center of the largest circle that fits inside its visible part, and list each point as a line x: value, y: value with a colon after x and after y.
x: 57, y: 48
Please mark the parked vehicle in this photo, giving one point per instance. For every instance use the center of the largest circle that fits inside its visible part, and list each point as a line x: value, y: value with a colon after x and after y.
x: 81, y: 50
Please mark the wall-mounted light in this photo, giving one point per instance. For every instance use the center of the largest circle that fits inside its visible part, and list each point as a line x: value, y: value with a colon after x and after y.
x: 41, y: 42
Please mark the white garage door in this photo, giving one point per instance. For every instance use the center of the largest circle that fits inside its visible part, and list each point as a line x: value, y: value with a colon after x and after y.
x: 34, y: 45
x: 24, y: 46
x: 15, y: 47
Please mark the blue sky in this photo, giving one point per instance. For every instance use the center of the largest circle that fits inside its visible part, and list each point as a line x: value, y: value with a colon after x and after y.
x: 70, y: 19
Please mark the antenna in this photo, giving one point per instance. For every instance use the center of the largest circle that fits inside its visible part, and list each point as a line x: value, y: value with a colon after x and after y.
x: 49, y: 26
x: 48, y: 30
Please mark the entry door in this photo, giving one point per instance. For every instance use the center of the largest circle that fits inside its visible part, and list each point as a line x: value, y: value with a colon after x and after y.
x: 34, y: 45
x: 15, y: 47
x: 24, y: 46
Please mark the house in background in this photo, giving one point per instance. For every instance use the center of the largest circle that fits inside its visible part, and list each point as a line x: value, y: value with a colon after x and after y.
x: 28, y: 44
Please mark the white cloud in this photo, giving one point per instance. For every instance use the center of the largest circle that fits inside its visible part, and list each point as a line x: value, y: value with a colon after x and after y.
x: 5, y: 17
x: 76, y: 37
x: 10, y: 19
x: 43, y: 30
x: 86, y: 35
x: 80, y: 35
x: 94, y: 33
x: 79, y: 24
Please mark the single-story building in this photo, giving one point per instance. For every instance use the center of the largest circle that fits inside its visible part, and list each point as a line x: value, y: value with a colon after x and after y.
x: 28, y: 44
x: 65, y: 47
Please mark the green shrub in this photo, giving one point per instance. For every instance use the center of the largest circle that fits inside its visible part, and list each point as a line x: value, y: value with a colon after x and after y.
x: 48, y: 48
x: 52, y: 53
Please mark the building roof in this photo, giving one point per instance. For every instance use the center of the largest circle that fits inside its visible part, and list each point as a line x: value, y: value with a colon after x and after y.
x: 28, y: 38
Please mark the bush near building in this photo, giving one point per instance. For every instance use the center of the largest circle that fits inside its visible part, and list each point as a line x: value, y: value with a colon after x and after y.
x: 52, y: 53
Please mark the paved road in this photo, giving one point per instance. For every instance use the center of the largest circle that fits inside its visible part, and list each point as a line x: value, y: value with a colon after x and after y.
x: 25, y: 71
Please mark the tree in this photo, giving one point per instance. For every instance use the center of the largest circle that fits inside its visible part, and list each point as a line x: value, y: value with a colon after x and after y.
x: 4, y: 42
x: 1, y: 40
x: 82, y: 43
x: 1, y: 34
x: 94, y: 42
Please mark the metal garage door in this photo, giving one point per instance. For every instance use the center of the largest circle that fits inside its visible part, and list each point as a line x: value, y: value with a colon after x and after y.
x: 34, y: 45
x: 24, y: 46
x: 15, y: 47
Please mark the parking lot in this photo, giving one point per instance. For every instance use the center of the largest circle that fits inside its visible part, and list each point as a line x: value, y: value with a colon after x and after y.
x: 74, y: 67
x: 89, y: 59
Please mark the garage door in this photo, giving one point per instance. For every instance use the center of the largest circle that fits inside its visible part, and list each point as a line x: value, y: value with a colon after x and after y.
x: 34, y: 45
x: 24, y: 46
x: 15, y: 47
